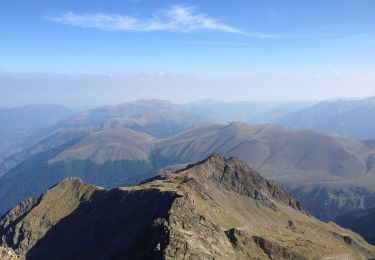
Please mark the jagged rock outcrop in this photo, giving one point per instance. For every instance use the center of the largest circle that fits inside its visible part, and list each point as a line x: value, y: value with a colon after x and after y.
x: 234, y: 175
x: 215, y: 209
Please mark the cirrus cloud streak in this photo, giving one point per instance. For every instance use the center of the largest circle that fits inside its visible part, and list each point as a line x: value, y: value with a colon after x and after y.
x: 174, y: 19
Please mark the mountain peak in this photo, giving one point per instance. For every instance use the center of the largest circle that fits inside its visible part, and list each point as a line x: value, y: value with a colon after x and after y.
x: 216, y: 208
x: 237, y: 176
x: 214, y: 159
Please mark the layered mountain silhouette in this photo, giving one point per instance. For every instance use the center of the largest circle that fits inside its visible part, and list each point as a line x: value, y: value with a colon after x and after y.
x: 217, y: 208
x: 360, y: 221
x: 52, y: 141
x: 158, y: 118
x: 350, y: 118
x: 303, y: 161
x: 25, y: 126
x: 244, y: 111
x: 17, y: 124
x: 330, y: 175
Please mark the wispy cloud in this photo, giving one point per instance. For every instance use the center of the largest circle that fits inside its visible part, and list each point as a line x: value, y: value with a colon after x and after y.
x: 175, y: 18
x: 361, y: 38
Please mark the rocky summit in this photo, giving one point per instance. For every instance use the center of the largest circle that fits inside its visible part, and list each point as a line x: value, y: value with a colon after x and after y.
x: 215, y: 209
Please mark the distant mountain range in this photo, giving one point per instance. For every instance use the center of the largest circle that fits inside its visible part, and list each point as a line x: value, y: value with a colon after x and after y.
x: 18, y: 123
x: 350, y: 118
x: 21, y: 127
x: 155, y: 117
x: 244, y: 111
x: 158, y: 118
x: 301, y: 160
x: 124, y: 144
x: 24, y: 126
x: 215, y: 209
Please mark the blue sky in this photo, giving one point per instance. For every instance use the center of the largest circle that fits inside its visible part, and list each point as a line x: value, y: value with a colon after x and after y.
x: 327, y: 41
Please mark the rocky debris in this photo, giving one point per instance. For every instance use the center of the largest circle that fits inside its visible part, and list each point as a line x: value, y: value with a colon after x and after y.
x: 8, y: 254
x: 346, y: 239
x: 291, y: 225
x: 275, y: 251
x: 250, y: 244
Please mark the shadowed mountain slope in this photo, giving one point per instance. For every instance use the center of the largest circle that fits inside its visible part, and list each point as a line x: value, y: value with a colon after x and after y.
x: 217, y: 208
x: 360, y: 221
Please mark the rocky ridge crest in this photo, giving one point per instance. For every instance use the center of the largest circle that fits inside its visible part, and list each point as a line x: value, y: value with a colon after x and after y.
x: 217, y: 208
